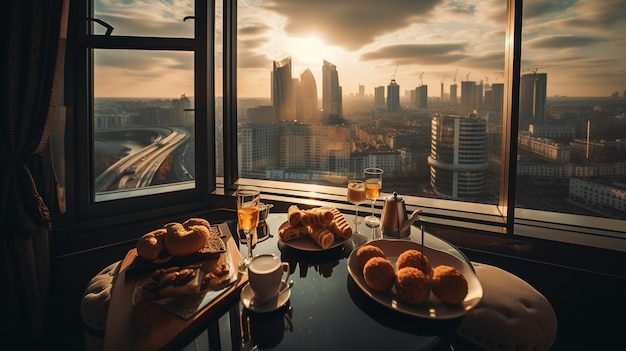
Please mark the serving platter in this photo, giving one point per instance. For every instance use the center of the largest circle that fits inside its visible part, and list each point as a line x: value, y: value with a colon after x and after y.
x: 433, y: 308
x: 306, y: 243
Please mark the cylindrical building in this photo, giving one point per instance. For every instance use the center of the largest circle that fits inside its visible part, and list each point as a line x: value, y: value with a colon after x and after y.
x: 458, y: 156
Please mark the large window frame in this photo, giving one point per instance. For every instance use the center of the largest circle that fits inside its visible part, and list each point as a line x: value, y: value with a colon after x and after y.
x: 503, y: 219
x: 86, y: 211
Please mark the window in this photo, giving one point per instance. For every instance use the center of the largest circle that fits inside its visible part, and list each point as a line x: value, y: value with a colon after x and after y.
x: 524, y: 138
x: 142, y: 74
x: 571, y: 119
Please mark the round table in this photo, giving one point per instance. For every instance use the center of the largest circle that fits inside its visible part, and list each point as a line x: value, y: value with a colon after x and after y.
x: 327, y: 310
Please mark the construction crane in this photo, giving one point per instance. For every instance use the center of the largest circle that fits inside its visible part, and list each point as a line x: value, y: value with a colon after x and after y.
x: 421, y: 79
x: 455, y: 72
x: 467, y: 76
x: 394, y: 73
x: 534, y: 69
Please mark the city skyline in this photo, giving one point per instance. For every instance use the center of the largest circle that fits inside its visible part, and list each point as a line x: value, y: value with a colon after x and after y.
x: 577, y: 42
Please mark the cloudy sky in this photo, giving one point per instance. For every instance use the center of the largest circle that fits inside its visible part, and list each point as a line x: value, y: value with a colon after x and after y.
x: 578, y: 43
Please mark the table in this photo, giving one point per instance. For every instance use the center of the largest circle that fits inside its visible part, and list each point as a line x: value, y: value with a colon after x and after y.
x: 326, y: 310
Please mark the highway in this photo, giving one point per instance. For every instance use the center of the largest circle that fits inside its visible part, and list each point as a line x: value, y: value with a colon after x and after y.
x: 138, y: 169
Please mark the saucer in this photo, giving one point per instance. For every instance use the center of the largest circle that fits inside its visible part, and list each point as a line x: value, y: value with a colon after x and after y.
x: 247, y: 296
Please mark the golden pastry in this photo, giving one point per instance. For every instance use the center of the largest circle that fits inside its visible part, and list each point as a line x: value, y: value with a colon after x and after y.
x: 448, y: 284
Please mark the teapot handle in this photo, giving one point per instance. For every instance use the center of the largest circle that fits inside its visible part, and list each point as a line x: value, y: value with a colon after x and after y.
x: 410, y: 221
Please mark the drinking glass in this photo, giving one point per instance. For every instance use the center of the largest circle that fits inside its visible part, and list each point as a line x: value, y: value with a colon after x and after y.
x: 248, y: 201
x: 356, y: 196
x: 373, y: 184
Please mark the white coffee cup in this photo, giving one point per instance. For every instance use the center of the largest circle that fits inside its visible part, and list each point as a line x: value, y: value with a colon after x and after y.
x: 265, y: 273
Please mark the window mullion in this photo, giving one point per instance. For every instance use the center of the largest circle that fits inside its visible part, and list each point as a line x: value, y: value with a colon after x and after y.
x: 512, y: 62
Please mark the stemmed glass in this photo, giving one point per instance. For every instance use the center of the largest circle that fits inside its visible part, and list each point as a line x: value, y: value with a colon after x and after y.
x: 373, y: 184
x: 356, y: 196
x: 248, y: 201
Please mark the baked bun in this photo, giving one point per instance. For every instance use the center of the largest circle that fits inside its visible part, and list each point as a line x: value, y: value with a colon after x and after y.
x: 151, y: 247
x: 448, y: 284
x: 196, y: 221
x: 412, y: 286
x: 183, y: 242
x: 365, y: 252
x: 379, y: 274
x: 416, y: 259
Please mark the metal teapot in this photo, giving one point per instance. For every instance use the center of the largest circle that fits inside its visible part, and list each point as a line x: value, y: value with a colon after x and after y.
x: 394, y: 221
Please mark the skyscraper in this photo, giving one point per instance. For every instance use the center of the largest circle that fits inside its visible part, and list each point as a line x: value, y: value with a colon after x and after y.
x: 306, y: 107
x: 458, y: 158
x: 393, y: 96
x: 331, y: 91
x: 421, y: 96
x: 468, y: 96
x: 533, y: 91
x: 379, y: 96
x: 453, y: 88
x: 283, y: 98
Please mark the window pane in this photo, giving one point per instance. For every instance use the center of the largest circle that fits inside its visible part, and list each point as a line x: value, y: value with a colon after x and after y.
x: 572, y: 131
x: 143, y: 122
x: 146, y: 17
x: 324, y: 92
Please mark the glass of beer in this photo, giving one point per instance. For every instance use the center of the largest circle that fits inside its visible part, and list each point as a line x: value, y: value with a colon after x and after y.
x: 373, y: 185
x: 248, y: 201
x: 356, y: 196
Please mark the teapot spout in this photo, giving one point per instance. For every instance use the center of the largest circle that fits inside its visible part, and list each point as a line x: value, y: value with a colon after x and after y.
x: 410, y: 221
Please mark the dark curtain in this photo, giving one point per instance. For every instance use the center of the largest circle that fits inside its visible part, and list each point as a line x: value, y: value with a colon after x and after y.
x: 34, y: 34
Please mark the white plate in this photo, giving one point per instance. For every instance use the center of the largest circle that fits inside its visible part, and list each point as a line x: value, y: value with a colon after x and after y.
x: 306, y: 243
x: 247, y: 296
x: 433, y: 308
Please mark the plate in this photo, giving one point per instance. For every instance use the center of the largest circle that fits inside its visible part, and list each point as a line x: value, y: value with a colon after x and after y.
x: 247, y: 296
x: 306, y: 243
x: 433, y: 308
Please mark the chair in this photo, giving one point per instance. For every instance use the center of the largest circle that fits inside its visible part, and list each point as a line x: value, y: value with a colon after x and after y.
x: 512, y: 314
x: 94, y: 306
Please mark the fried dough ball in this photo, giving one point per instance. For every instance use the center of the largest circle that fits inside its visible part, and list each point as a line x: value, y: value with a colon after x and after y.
x: 416, y: 259
x: 448, y: 284
x: 365, y: 252
x: 412, y: 286
x: 379, y: 274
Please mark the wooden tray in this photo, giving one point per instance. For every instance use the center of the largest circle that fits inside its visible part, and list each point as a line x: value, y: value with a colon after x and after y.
x: 151, y: 327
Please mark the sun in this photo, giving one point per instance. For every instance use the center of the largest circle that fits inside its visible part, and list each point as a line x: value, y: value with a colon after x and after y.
x: 310, y: 51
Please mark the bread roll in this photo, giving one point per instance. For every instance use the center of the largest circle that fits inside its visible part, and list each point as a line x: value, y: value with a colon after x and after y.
x: 152, y: 248
x: 182, y: 242
x: 294, y: 215
x: 318, y: 217
x: 323, y: 237
x: 339, y: 225
x: 287, y: 232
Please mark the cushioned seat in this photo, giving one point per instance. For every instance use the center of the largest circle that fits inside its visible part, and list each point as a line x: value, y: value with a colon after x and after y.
x: 94, y: 306
x: 512, y: 315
